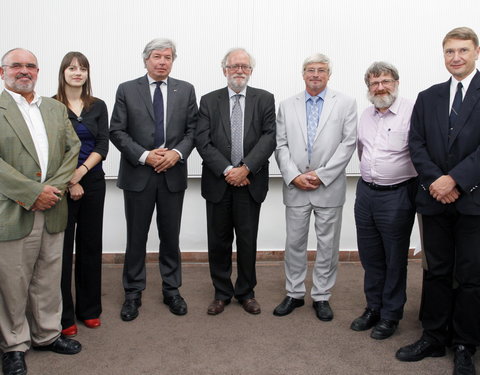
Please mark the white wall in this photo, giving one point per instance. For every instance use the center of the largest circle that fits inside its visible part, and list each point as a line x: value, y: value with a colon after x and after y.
x: 279, y: 33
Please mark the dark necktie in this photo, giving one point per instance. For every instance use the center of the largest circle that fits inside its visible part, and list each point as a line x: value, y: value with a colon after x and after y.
x: 456, y: 105
x: 158, y: 111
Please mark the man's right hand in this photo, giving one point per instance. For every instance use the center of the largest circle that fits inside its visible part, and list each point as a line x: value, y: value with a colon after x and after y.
x: 306, y: 181
x: 48, y: 198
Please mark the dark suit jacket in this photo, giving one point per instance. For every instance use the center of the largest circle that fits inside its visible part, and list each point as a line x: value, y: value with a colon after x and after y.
x: 213, y: 141
x: 435, y: 154
x: 132, y: 131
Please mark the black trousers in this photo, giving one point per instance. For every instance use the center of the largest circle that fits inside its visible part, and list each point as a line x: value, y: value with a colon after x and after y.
x: 84, y: 228
x: 139, y: 208
x: 236, y: 213
x: 384, y: 221
x: 451, y: 284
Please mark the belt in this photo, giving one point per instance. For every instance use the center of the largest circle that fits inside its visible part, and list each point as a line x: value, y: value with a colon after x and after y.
x: 374, y: 186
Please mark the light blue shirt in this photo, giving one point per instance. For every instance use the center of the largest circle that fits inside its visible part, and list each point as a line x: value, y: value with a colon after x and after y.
x: 310, y: 103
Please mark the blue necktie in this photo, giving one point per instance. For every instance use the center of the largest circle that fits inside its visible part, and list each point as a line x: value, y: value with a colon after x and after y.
x: 312, y: 123
x: 158, y: 111
x: 456, y: 105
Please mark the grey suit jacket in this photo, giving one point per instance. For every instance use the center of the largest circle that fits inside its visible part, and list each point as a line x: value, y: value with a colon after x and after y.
x: 20, y: 171
x: 332, y: 149
x: 213, y: 141
x: 132, y: 131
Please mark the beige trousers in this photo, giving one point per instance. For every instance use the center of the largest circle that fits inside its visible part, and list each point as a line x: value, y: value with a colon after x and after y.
x: 30, y: 297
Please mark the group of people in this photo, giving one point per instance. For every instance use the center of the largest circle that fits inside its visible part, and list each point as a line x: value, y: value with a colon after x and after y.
x: 420, y: 157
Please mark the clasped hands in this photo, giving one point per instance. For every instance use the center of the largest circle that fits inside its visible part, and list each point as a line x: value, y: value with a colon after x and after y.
x: 48, y: 198
x: 161, y: 159
x: 444, y: 189
x: 238, y: 176
x: 307, y: 181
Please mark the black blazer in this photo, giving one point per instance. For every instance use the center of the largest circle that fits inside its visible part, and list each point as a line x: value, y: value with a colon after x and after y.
x: 132, y: 131
x: 435, y: 154
x: 213, y: 141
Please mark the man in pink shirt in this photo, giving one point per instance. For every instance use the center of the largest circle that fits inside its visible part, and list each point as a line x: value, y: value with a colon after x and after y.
x: 384, y: 206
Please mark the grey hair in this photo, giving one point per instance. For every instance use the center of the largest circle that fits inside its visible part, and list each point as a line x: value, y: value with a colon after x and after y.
x: 318, y: 58
x: 16, y: 49
x: 378, y: 68
x: 160, y: 44
x: 230, y: 51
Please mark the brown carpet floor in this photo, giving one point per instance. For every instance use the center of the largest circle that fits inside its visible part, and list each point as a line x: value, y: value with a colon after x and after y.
x: 236, y: 343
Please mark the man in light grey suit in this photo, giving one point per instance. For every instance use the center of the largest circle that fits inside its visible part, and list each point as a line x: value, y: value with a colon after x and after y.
x: 38, y: 154
x: 153, y: 124
x: 316, y: 134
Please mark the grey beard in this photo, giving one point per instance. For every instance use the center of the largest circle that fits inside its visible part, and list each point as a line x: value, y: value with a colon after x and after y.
x: 384, y: 101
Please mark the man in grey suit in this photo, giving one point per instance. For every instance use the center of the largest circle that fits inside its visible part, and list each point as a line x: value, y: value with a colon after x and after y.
x: 153, y: 124
x: 38, y: 154
x: 235, y: 137
x: 316, y: 134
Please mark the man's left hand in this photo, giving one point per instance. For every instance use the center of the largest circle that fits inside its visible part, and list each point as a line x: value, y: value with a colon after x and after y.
x: 168, y: 158
x: 238, y: 176
x: 441, y: 187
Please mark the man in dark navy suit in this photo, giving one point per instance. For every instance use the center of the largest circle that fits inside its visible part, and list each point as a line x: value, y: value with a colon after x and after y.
x: 445, y: 150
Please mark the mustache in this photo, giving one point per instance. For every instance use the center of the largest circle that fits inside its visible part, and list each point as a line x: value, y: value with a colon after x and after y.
x: 23, y: 75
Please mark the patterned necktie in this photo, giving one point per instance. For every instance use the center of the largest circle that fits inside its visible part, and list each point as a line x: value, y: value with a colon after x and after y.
x: 158, y: 111
x: 236, y: 131
x: 312, y: 123
x: 456, y: 105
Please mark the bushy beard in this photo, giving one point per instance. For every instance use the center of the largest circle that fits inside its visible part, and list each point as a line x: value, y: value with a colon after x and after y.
x: 385, y: 100
x: 237, y: 87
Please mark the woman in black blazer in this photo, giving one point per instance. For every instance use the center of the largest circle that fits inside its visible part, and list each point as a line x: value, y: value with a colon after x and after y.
x: 86, y: 196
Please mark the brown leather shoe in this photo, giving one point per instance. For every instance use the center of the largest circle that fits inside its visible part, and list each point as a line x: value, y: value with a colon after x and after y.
x: 217, y: 306
x: 251, y: 306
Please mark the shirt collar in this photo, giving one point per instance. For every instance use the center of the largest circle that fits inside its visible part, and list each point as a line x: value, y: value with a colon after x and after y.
x: 233, y: 93
x: 152, y: 81
x: 321, y: 95
x: 465, y: 82
x: 19, y: 99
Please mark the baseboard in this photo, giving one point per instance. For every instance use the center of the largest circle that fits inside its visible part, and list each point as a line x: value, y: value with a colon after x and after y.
x: 262, y: 256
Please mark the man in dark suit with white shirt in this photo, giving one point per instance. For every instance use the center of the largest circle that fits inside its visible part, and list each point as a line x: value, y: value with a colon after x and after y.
x: 445, y: 149
x: 153, y: 124
x: 235, y: 137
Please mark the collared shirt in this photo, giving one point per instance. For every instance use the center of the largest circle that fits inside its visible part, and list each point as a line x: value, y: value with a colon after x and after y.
x: 453, y: 87
x: 33, y: 117
x: 231, y: 95
x: 383, y: 144
x: 310, y: 103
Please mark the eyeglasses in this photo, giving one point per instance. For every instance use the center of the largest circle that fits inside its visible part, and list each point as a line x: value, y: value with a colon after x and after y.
x: 385, y: 83
x: 234, y: 68
x: 311, y: 71
x: 18, y: 66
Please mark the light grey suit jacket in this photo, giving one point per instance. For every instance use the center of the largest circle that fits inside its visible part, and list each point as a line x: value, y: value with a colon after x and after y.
x: 332, y: 149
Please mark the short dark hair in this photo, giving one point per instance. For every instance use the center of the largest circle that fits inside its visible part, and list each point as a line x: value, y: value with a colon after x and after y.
x: 462, y: 33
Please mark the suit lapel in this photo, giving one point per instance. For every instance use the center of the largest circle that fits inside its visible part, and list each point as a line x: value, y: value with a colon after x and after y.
x: 250, y: 100
x: 172, y: 88
x: 472, y: 96
x: 328, y: 104
x: 301, y: 112
x: 145, y: 95
x: 442, y: 111
x: 224, y: 108
x: 18, y: 124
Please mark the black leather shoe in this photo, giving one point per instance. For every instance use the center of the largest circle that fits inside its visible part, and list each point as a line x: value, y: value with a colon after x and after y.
x: 62, y: 345
x: 462, y: 363
x: 13, y: 363
x: 384, y: 329
x: 366, y: 321
x: 323, y: 310
x: 176, y: 304
x: 288, y: 305
x: 130, y: 309
x: 420, y: 350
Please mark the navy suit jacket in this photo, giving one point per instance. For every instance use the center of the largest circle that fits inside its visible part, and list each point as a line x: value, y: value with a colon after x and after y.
x: 434, y: 153
x: 213, y: 141
x: 132, y: 131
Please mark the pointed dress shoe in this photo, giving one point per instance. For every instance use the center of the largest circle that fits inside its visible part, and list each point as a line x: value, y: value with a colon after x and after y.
x: 323, y: 310
x: 13, y: 363
x: 92, y: 323
x: 462, y: 362
x: 62, y: 345
x: 217, y: 306
x: 384, y: 329
x: 366, y: 321
x: 176, y: 304
x: 70, y: 331
x: 130, y: 309
x: 251, y: 306
x: 420, y: 350
x: 288, y: 305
